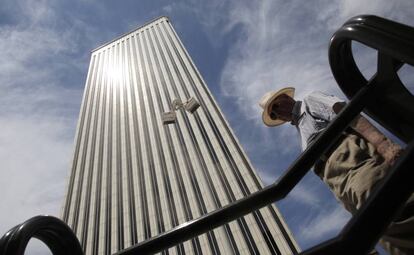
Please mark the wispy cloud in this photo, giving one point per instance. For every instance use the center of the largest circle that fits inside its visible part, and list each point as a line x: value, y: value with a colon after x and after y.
x: 35, y: 155
x: 38, y: 108
x: 312, y: 212
x: 323, y: 226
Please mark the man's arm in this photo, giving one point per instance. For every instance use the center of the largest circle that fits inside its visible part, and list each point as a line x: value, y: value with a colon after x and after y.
x: 389, y: 150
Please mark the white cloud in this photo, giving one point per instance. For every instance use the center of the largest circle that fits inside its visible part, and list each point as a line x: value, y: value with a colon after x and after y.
x: 306, y: 195
x: 35, y: 157
x: 37, y: 247
x: 397, y: 10
x: 37, y: 111
x: 268, y: 177
x: 325, y: 224
x: 275, y: 52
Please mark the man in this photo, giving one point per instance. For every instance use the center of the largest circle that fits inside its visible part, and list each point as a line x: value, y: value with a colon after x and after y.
x: 359, y: 161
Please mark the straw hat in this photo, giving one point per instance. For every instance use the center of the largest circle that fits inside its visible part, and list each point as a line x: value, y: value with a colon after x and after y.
x: 266, y: 101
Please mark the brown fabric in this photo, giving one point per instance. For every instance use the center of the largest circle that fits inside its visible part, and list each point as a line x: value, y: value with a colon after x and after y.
x: 351, y: 172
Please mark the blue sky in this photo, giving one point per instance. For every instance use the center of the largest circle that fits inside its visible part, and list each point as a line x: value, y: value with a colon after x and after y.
x: 242, y: 48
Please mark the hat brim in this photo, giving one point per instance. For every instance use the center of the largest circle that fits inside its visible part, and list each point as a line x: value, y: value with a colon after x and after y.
x: 266, y: 112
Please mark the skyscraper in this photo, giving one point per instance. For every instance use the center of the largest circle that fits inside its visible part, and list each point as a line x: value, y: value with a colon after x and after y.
x: 133, y: 178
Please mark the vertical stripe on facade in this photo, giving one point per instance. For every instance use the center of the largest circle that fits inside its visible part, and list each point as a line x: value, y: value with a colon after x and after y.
x: 130, y: 176
x: 73, y: 174
x: 81, y: 185
x: 91, y: 162
x: 190, y: 169
x: 108, y: 220
x: 99, y: 164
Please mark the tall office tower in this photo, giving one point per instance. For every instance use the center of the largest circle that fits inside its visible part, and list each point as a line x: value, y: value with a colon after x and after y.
x: 133, y: 177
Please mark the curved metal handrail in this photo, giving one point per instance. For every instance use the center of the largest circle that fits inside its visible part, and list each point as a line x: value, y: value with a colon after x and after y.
x: 52, y: 231
x: 394, y: 106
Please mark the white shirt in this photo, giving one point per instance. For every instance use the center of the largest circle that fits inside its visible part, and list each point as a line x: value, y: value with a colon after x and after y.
x: 312, y: 115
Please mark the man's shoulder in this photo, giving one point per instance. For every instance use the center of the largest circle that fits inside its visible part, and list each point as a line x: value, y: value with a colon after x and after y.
x: 314, y: 96
x: 317, y: 96
x: 317, y: 93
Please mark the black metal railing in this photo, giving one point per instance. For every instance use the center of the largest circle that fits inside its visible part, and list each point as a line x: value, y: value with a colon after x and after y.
x: 383, y: 97
x: 52, y: 231
x: 393, y: 106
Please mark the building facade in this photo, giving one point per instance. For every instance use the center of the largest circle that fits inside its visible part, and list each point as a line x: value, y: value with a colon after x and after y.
x: 133, y: 178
